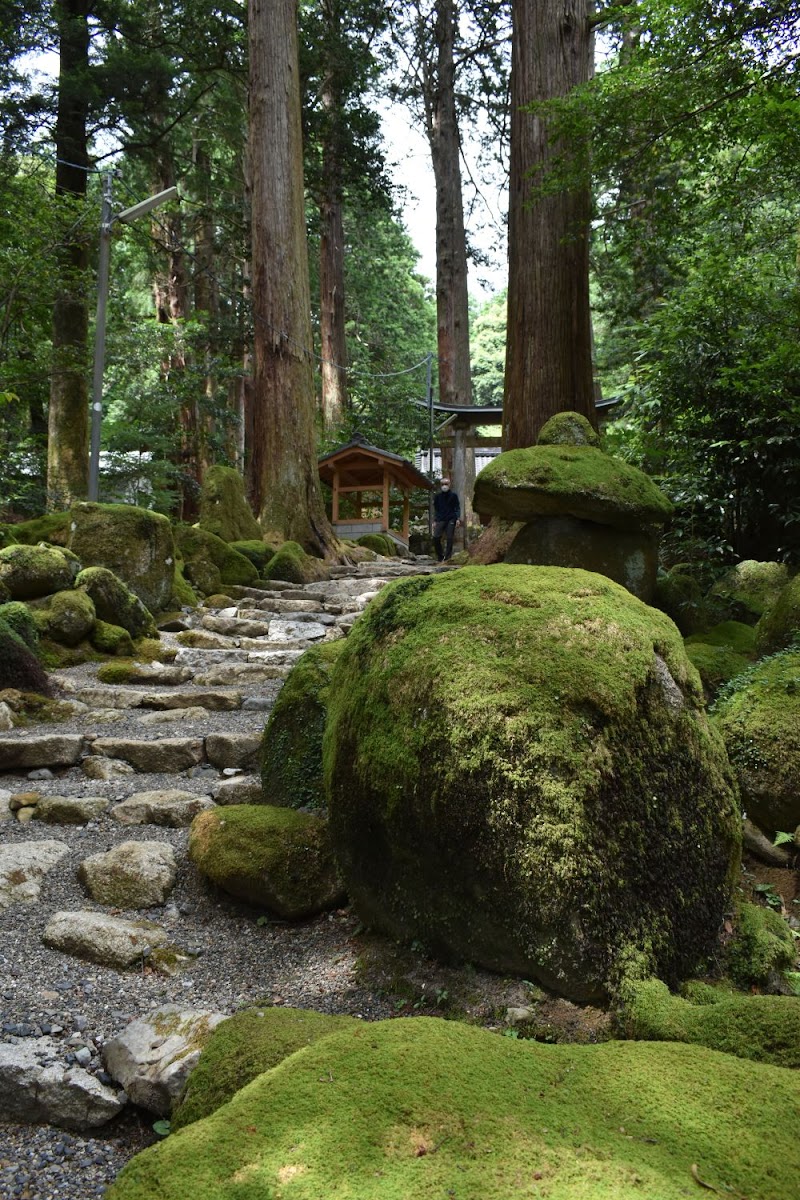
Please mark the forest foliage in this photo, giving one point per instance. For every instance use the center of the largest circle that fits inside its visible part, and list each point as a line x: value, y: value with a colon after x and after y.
x: 693, y: 120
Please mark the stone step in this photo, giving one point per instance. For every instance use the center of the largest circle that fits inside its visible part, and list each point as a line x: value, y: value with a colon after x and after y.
x: 293, y: 606
x: 318, y: 615
x: 243, y: 674
x: 195, y: 658
x: 40, y: 750
x: 234, y: 627
x: 238, y: 591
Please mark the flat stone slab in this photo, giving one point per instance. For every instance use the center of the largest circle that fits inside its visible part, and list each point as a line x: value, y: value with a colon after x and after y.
x: 245, y: 673
x: 174, y: 716
x: 169, y: 807
x: 154, y: 1056
x: 131, y: 875
x: 38, y: 1088
x: 233, y: 627
x: 290, y: 630
x: 70, y: 810
x: 168, y: 755
x: 289, y: 605
x: 102, y: 769
x: 215, y: 701
x: 109, y: 697
x: 241, y: 789
x: 23, y: 866
x: 44, y: 750
x: 233, y: 749
x: 109, y: 941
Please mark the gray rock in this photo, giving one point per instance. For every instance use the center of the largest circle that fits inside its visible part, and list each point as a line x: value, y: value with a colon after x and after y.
x: 172, y: 716
x: 169, y: 807
x: 168, y: 755
x: 233, y: 627
x: 214, y: 701
x: 242, y: 789
x: 131, y: 875
x: 257, y: 704
x: 37, y: 1088
x: 70, y: 810
x: 245, y: 673
x: 102, y: 769
x: 110, y: 697
x: 105, y: 716
x: 110, y: 941
x: 761, y: 846
x: 23, y: 866
x: 291, y: 630
x: 233, y: 749
x: 6, y: 717
x: 153, y: 1057
x: 41, y: 750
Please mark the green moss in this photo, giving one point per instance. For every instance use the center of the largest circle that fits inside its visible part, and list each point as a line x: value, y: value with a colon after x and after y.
x: 56, y: 656
x: 111, y: 639
x: 52, y: 528
x: 32, y: 708
x: 291, y: 749
x: 32, y: 571
x: 423, y: 1108
x: 7, y: 537
x: 716, y: 664
x: 19, y: 618
x: 183, y: 594
x: 762, y: 946
x: 130, y: 670
x: 508, y: 777
x: 21, y: 669
x: 759, y: 715
x: 578, y: 481
x: 292, y: 564
x: 568, y: 429
x: 780, y: 625
x: 749, y: 589
x: 734, y: 635
x: 67, y: 617
x: 115, y: 602
x: 680, y: 596
x: 761, y: 1028
x: 208, y: 560
x: 274, y: 858
x: 134, y: 543
x: 379, y: 543
x: 224, y: 511
x: 259, y: 553
x: 244, y: 1047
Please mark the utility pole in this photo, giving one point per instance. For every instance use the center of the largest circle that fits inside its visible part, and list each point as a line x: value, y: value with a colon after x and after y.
x: 107, y: 221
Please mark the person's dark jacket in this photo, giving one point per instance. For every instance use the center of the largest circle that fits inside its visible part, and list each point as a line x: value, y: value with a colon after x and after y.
x: 446, y: 506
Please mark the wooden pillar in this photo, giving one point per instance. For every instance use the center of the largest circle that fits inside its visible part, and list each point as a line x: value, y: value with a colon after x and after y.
x: 358, y: 506
x: 335, y: 502
x: 405, y: 516
x: 385, y: 500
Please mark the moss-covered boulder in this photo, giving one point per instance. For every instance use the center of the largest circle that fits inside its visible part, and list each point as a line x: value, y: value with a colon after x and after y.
x: 568, y: 429
x: 521, y: 773
x: 761, y: 1028
x: 19, y: 617
x: 132, y: 542
x: 112, y: 639
x: 32, y: 571
x: 7, y: 536
x: 115, y: 602
x: 19, y: 666
x: 209, y: 562
x: 379, y: 543
x: 259, y: 553
x: 679, y: 594
x: 274, y: 858
x: 732, y: 635
x: 762, y: 947
x: 780, y: 625
x: 292, y: 564
x: 244, y: 1047
x: 569, y: 480
x: 224, y: 510
x: 422, y: 1108
x: 716, y: 665
x: 760, y: 724
x: 291, y: 749
x: 52, y: 527
x: 183, y: 594
x: 67, y: 617
x: 748, y: 590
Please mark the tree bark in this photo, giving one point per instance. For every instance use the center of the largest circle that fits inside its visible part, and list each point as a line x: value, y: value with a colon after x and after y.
x: 285, y: 474
x: 68, y: 417
x: 549, y: 345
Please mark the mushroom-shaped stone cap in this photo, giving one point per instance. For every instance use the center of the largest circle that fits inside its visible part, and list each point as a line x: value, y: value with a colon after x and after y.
x: 568, y: 480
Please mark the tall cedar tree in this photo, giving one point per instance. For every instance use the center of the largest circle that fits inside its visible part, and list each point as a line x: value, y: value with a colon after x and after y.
x: 68, y: 427
x: 549, y: 340
x: 284, y: 467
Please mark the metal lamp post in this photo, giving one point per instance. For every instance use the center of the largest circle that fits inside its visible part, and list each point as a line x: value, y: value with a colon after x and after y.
x: 107, y: 221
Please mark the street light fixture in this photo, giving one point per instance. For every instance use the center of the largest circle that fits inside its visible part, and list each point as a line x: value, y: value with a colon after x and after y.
x: 107, y: 221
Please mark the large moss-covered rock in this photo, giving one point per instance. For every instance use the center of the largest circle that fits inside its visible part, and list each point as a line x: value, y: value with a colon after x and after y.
x: 224, y: 510
x: 67, y: 617
x: 115, y: 602
x: 760, y: 724
x: 19, y: 666
x: 568, y: 429
x: 31, y: 571
x: 422, y: 1108
x: 19, y: 617
x: 780, y: 625
x: 574, y: 481
x: 52, y: 527
x: 716, y: 665
x: 132, y: 542
x: 244, y: 1047
x: 259, y: 553
x: 291, y: 749
x: 680, y: 595
x: 209, y: 562
x: 292, y: 564
x: 762, y: 1028
x: 274, y: 858
x: 761, y: 949
x: 380, y: 543
x: 521, y: 773
x: 630, y: 557
x: 112, y: 639
x: 748, y: 590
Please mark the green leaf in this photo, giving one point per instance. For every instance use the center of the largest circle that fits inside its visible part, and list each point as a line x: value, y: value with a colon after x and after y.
x: 162, y: 1128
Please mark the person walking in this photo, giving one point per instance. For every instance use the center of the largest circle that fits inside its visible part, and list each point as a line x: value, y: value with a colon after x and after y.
x: 446, y: 516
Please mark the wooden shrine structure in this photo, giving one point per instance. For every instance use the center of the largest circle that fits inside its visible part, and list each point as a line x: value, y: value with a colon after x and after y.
x: 359, y: 468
